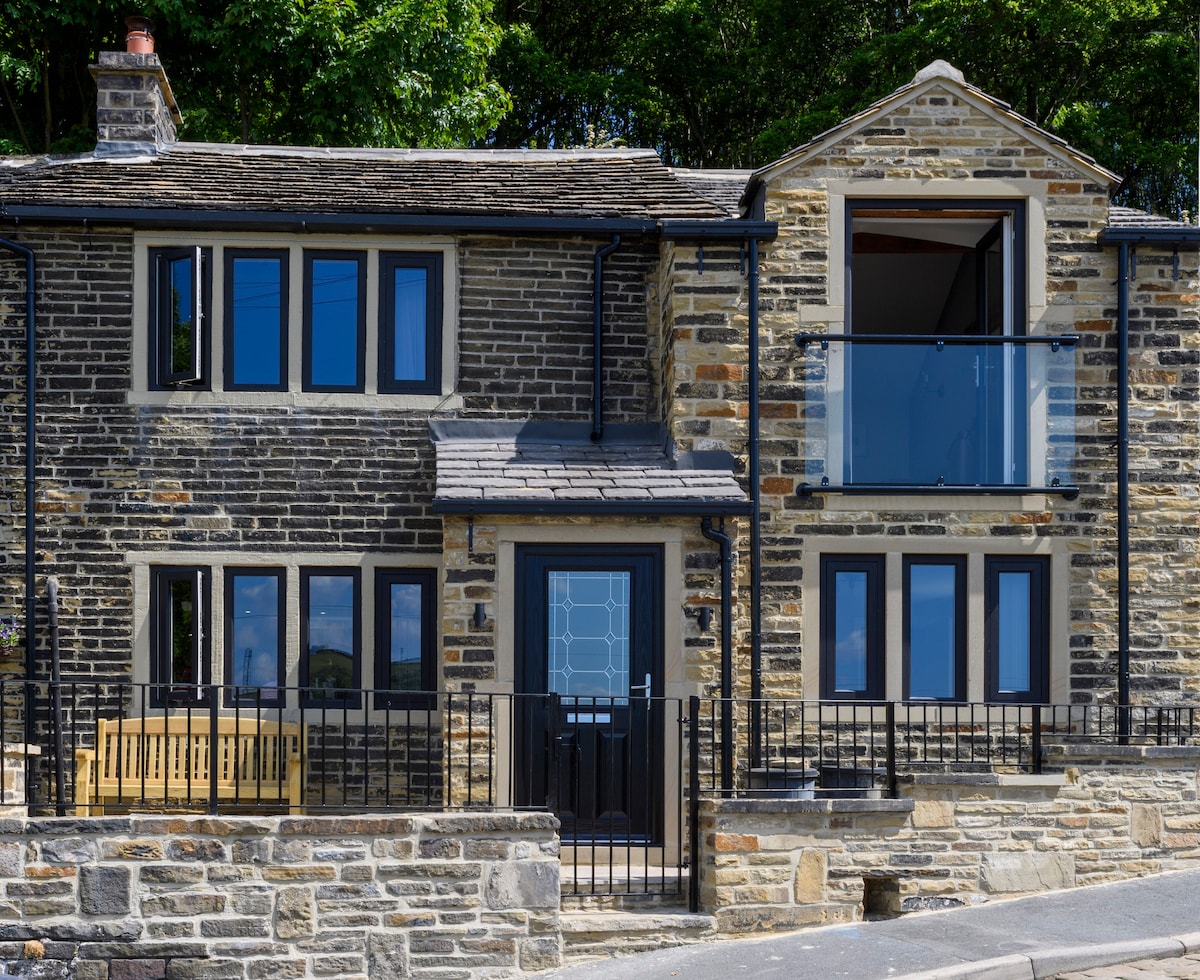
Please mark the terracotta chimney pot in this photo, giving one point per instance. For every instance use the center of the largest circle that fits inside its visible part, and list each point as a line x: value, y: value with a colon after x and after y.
x: 139, y: 40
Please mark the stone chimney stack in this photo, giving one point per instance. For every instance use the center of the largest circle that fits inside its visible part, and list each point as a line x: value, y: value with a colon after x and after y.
x: 135, y: 108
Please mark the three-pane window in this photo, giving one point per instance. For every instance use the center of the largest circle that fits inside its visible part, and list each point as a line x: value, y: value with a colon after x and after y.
x: 260, y: 320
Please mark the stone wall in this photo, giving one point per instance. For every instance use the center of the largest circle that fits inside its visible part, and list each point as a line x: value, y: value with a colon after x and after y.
x: 174, y: 897
x: 951, y: 839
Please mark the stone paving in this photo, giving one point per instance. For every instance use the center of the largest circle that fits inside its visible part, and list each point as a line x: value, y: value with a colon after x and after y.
x: 1177, y: 968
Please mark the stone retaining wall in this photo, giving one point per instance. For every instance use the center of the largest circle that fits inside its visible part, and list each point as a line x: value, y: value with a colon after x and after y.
x: 176, y: 897
x: 951, y: 839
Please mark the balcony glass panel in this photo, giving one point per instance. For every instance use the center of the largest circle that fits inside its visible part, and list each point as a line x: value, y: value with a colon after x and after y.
x: 919, y: 412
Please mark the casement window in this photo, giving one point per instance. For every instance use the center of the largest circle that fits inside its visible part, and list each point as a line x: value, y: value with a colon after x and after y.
x: 852, y: 627
x: 254, y: 635
x: 180, y: 297
x: 256, y: 319
x: 935, y: 628
x: 300, y: 319
x: 335, y: 314
x: 1016, y: 598
x: 404, y: 637
x: 330, y: 636
x: 410, y: 300
x: 179, y: 611
x: 259, y: 661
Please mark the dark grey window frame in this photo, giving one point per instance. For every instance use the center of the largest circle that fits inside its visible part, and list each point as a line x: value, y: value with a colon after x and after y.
x: 284, y: 257
x: 959, y: 562
x: 164, y: 690
x: 341, y: 255
x: 161, y: 376
x: 232, y: 688
x: 307, y: 698
x: 875, y: 568
x: 432, y: 263
x: 385, y: 696
x: 1038, y: 568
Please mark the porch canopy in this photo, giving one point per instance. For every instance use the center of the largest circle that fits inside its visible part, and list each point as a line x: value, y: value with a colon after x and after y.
x: 503, y: 467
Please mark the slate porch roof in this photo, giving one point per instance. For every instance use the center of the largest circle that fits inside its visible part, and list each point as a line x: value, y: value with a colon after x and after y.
x: 218, y: 177
x: 486, y: 467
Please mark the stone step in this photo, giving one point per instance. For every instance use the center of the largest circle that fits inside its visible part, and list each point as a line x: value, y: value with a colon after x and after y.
x: 595, y: 934
x: 600, y: 886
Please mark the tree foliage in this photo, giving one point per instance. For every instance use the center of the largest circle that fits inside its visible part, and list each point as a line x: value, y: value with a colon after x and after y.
x: 709, y: 83
x: 373, y: 72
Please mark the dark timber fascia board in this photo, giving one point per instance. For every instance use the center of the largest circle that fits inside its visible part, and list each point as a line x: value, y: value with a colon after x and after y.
x: 1174, y: 235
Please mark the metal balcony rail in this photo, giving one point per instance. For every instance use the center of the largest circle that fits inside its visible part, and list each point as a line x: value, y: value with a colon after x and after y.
x: 930, y: 413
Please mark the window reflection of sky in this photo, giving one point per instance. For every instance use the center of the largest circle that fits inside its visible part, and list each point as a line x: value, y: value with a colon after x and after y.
x: 409, y: 325
x: 1014, y: 619
x: 334, y: 340
x: 255, y: 640
x: 850, y: 637
x: 931, y: 596
x: 257, y: 335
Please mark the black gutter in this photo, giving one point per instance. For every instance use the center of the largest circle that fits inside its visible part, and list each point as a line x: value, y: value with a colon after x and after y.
x: 597, y: 508
x: 726, y: 543
x: 30, y: 461
x: 756, y: 671
x: 598, y: 336
x: 1172, y: 235
x: 1123, y: 491
x: 368, y: 222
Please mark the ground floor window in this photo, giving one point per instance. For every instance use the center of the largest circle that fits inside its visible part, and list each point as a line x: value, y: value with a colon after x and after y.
x: 337, y: 614
x: 934, y: 627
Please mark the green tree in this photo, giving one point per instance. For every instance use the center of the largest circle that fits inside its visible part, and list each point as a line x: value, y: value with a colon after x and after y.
x: 376, y: 72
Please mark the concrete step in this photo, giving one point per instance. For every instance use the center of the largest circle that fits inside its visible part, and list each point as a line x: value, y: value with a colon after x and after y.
x: 599, y: 934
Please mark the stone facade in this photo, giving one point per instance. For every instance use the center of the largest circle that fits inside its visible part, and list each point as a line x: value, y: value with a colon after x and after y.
x: 949, y: 840
x: 166, y: 898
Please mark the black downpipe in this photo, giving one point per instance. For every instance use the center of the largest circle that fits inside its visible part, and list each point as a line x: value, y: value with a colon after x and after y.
x: 756, y: 672
x: 30, y: 469
x: 1123, y: 491
x: 60, y: 778
x: 598, y: 336
x: 726, y: 544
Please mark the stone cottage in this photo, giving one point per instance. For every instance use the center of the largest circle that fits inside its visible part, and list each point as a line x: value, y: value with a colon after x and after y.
x: 738, y: 519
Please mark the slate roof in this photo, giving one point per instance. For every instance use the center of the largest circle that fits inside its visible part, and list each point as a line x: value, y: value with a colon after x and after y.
x: 722, y: 187
x: 536, y: 467
x: 1131, y: 218
x: 226, y: 177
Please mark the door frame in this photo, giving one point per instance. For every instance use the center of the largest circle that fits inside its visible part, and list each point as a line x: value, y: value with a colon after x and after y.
x: 671, y: 537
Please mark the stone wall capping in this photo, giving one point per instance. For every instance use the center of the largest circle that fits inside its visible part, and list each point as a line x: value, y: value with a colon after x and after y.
x: 1048, y: 780
x: 831, y: 805
x: 1073, y: 753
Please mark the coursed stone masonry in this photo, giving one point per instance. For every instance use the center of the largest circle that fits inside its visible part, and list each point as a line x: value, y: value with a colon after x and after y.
x: 175, y: 897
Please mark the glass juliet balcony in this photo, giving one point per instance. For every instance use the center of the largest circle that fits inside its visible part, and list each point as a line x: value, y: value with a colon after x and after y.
x: 923, y: 413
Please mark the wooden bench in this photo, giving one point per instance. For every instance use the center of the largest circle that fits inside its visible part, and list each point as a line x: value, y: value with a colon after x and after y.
x: 165, y: 761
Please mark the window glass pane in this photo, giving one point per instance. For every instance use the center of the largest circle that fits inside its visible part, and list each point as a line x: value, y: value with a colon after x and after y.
x: 588, y: 631
x: 256, y: 317
x: 409, y: 326
x: 1013, y: 616
x: 330, y: 617
x: 254, y: 643
x: 850, y: 631
x: 182, y: 630
x: 334, y: 324
x: 180, y: 273
x: 932, y: 630
x: 405, y: 605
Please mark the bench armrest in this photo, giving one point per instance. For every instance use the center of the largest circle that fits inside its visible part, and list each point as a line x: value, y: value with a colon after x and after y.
x: 85, y: 772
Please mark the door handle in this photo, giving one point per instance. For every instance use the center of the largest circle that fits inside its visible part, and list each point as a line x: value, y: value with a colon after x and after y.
x: 641, y: 687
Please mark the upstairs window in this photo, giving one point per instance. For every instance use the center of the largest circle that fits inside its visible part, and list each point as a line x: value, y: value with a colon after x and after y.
x: 320, y: 320
x: 179, y: 302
